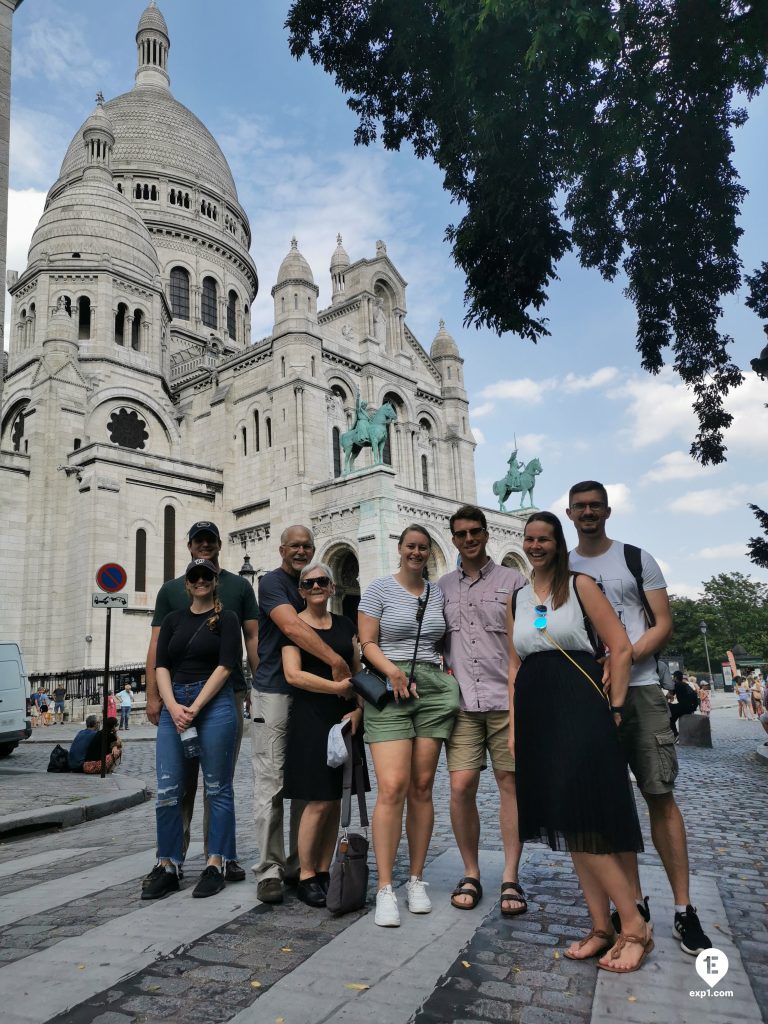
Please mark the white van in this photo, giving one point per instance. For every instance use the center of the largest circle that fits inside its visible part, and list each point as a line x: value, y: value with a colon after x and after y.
x: 15, y: 721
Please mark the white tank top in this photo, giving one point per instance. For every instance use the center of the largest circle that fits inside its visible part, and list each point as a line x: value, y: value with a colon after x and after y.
x: 565, y: 624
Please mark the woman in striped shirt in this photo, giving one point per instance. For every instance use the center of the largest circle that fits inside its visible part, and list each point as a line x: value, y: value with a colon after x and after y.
x: 407, y: 734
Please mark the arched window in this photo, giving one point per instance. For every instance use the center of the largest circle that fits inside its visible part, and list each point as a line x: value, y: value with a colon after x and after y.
x: 256, y: 440
x: 244, y: 434
x: 424, y: 474
x: 83, y: 318
x: 138, y: 320
x: 336, y: 441
x: 122, y: 311
x: 169, y: 543
x: 396, y: 402
x: 268, y: 425
x: 140, y: 565
x: 208, y: 304
x: 145, y: 192
x: 137, y: 191
x: 232, y: 315
x: 186, y: 200
x: 153, y: 193
x: 312, y: 366
x: 282, y: 366
x: 119, y: 188
x: 180, y: 293
x: 172, y: 197
x: 67, y: 305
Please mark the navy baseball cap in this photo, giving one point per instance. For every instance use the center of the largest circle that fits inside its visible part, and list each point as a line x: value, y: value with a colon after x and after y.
x: 204, y: 527
x: 201, y: 563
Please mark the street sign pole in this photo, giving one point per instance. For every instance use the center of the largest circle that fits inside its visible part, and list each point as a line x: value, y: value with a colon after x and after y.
x: 104, y: 698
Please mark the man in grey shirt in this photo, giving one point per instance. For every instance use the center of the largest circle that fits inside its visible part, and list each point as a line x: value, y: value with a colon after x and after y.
x: 645, y: 730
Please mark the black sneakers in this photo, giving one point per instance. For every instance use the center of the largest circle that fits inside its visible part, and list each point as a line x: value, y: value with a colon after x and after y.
x: 211, y: 881
x: 233, y: 872
x: 644, y: 909
x: 159, y: 883
x: 692, y: 937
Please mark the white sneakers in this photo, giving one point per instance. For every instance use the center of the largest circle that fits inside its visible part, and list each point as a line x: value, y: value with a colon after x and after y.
x: 387, y: 915
x: 416, y: 897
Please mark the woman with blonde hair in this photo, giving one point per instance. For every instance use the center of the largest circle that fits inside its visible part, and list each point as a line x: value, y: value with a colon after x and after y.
x: 318, y: 703
x: 396, y: 615
x: 196, y: 651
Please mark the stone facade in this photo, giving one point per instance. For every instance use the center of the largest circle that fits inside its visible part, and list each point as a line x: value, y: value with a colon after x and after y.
x: 135, y: 402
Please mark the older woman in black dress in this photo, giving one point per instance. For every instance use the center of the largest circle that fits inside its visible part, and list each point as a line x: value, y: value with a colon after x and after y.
x: 319, y: 703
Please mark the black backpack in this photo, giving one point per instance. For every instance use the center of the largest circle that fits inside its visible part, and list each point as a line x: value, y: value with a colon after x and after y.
x: 59, y: 760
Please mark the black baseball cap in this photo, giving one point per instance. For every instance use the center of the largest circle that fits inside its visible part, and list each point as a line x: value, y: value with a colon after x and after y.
x: 204, y: 527
x: 201, y: 563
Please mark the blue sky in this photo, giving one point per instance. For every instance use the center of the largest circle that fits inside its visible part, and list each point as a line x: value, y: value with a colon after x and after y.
x: 578, y: 400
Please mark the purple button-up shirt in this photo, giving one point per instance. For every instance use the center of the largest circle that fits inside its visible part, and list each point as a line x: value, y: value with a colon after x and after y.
x: 476, y: 641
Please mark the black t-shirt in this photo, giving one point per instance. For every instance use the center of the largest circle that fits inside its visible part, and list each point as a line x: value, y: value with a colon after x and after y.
x: 339, y: 638
x: 191, y: 650
x: 275, y: 588
x: 686, y: 697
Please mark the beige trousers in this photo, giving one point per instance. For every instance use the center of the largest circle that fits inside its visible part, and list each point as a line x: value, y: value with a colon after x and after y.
x: 190, y: 782
x: 269, y: 720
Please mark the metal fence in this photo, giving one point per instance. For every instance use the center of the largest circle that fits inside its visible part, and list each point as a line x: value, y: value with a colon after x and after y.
x: 86, y: 683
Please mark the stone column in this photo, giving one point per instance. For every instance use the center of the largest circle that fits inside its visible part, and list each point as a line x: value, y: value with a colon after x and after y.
x: 7, y: 7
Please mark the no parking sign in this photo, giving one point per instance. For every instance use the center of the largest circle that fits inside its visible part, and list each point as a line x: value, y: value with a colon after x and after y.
x: 111, y: 578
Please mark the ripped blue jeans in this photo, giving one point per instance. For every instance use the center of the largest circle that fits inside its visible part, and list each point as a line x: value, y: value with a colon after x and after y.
x: 216, y: 728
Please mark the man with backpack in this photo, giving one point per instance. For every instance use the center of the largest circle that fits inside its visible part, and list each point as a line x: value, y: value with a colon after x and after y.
x: 634, y: 584
x: 686, y: 700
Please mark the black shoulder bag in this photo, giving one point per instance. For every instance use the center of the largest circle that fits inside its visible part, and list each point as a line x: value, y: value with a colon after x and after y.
x: 348, y: 886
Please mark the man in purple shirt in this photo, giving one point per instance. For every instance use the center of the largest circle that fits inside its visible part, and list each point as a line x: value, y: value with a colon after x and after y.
x: 476, y: 651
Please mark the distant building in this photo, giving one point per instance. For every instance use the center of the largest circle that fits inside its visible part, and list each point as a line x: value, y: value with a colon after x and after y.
x: 135, y: 401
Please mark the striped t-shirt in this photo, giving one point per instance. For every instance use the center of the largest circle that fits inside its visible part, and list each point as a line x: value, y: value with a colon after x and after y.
x: 396, y: 608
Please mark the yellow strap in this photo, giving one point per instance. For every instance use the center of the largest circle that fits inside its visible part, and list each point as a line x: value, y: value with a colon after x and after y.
x: 574, y: 663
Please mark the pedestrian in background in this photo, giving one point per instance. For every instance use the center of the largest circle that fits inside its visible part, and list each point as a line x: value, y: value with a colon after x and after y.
x: 93, y: 760
x: 744, y: 698
x: 125, y: 703
x: 59, y: 696
x: 705, y: 699
x: 407, y: 734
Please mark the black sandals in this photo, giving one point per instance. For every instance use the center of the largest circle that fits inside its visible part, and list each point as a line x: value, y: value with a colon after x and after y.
x: 513, y: 892
x: 475, y: 894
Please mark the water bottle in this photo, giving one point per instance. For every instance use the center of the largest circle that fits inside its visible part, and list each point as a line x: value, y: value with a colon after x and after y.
x: 190, y: 743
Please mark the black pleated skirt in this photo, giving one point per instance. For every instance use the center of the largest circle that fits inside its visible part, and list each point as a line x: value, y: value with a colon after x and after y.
x: 573, y: 787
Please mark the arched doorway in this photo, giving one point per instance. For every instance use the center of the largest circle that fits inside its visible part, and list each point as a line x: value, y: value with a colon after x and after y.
x: 514, y: 560
x: 343, y: 563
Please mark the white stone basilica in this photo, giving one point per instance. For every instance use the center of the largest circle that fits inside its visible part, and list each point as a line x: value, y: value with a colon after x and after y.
x: 135, y: 402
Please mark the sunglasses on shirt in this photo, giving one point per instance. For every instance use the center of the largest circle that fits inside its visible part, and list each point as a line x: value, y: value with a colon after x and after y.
x: 316, y: 581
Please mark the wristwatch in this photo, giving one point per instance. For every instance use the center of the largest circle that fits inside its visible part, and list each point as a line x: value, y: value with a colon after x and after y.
x: 617, y: 709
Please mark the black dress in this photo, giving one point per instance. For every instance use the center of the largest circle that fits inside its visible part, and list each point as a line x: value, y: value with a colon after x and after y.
x: 306, y: 775
x: 572, y: 780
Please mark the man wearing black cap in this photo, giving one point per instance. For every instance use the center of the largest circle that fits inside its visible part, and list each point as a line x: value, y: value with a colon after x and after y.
x: 235, y: 594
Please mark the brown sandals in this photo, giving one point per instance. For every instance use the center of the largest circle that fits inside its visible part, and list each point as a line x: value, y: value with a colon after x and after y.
x: 608, y: 937
x: 623, y: 940
x: 475, y: 894
x: 513, y: 891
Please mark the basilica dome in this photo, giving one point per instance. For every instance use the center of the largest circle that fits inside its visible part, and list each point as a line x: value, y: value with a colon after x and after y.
x: 93, y: 220
x: 154, y: 133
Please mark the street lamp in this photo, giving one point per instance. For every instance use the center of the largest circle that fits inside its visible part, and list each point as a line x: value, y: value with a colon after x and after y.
x: 246, y: 570
x: 703, y: 628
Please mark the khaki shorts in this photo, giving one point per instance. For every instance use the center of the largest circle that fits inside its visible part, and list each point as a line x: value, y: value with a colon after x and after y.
x: 647, y: 739
x: 474, y: 733
x: 431, y: 716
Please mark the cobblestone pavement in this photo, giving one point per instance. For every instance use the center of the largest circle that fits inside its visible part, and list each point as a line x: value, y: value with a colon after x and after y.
x: 516, y: 972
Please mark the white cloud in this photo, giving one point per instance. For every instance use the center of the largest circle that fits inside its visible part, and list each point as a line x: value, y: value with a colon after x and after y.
x: 685, y: 590
x: 478, y: 434
x: 524, y: 389
x: 38, y: 142
x: 709, y: 501
x: 24, y: 211
x: 664, y: 566
x: 723, y: 551
x: 676, y: 466
x: 56, y: 48
x: 573, y: 383
x: 484, y: 409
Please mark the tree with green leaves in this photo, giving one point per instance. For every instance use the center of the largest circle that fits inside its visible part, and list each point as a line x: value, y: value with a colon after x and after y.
x: 757, y: 300
x: 735, y: 610
x: 604, y: 126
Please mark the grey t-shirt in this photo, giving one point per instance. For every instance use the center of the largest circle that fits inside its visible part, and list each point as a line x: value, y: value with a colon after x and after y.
x: 612, y: 575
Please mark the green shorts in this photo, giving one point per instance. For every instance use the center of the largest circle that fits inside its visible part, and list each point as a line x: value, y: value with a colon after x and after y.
x: 431, y: 715
x: 647, y: 738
